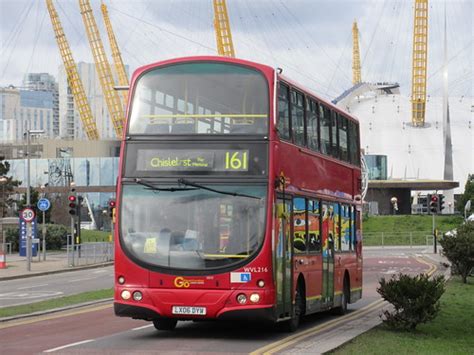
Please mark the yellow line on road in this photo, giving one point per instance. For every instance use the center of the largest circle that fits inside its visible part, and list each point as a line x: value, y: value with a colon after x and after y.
x: 432, y: 266
x: 61, y: 314
x: 286, y: 342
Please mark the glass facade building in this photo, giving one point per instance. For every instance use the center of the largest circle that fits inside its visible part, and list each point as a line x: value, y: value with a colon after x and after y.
x: 377, y: 166
x: 84, y: 172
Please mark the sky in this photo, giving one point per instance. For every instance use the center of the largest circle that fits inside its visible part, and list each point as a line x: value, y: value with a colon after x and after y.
x: 311, y: 40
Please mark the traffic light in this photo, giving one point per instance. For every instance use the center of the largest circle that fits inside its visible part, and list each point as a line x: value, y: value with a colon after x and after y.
x: 72, y: 200
x: 434, y: 203
x: 111, y: 208
x: 441, y: 203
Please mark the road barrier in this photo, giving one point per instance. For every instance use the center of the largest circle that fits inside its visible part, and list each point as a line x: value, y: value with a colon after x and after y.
x: 90, y: 254
x: 399, y: 238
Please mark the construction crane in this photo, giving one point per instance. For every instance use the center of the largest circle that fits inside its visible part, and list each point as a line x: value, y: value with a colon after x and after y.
x: 356, y: 75
x: 74, y: 81
x: 225, y: 45
x: 103, y: 68
x: 116, y: 56
x: 420, y: 54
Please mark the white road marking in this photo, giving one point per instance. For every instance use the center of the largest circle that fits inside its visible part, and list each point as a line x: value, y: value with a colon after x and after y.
x: 83, y: 279
x: 68, y: 346
x: 145, y: 326
x: 27, y: 287
x: 100, y: 271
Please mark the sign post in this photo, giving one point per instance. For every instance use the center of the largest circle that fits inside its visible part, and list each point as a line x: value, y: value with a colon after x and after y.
x: 44, y: 205
x: 28, y: 215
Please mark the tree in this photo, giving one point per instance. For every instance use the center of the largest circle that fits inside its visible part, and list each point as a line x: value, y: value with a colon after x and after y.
x: 467, y: 195
x: 459, y: 249
x: 6, y: 188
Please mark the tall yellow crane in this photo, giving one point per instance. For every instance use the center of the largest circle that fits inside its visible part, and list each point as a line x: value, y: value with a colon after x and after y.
x: 225, y: 46
x: 419, y: 64
x: 117, y: 57
x: 74, y: 81
x: 356, y: 70
x: 103, y: 68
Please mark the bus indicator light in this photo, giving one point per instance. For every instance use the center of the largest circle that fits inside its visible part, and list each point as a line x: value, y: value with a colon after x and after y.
x: 241, y: 298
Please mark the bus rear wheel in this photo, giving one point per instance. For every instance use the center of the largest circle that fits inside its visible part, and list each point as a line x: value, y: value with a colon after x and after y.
x: 165, y: 324
x: 342, y: 309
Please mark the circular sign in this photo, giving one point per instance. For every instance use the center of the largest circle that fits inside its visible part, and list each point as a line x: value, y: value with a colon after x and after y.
x: 28, y: 214
x: 43, y: 204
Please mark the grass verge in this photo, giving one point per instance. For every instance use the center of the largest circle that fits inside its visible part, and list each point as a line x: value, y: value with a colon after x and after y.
x: 90, y: 236
x: 56, y: 303
x: 449, y: 333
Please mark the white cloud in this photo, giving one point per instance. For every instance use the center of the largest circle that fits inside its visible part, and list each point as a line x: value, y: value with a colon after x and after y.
x: 311, y: 40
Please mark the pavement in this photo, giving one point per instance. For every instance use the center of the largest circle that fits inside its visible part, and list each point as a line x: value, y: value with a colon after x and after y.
x: 55, y: 262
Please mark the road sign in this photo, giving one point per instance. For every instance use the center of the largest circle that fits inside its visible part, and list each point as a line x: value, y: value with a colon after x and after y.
x: 27, y: 214
x: 43, y: 204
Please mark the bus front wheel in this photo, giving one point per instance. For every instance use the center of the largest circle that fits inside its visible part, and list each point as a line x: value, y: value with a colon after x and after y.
x: 165, y: 324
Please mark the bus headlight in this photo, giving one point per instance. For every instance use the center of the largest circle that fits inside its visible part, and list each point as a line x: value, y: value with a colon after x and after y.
x: 241, y: 298
x: 137, y: 296
x: 254, y: 297
x: 121, y: 280
x: 126, y: 295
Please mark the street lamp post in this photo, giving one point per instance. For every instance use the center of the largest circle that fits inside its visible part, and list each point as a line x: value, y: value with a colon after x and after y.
x: 29, y: 133
x: 3, y: 182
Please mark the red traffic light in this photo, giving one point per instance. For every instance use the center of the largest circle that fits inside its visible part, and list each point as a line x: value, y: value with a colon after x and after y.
x: 112, y: 204
x: 434, y: 198
x: 72, y: 198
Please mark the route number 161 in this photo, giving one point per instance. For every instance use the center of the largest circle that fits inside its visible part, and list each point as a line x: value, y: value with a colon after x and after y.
x: 236, y: 160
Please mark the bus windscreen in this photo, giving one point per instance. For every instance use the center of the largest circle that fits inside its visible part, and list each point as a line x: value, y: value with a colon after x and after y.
x: 200, y: 98
x: 170, y: 226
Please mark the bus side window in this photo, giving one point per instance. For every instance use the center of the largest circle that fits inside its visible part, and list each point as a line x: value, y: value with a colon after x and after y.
x: 325, y: 122
x: 297, y: 117
x: 334, y: 135
x: 312, y: 125
x: 299, y: 225
x: 314, y: 227
x: 283, y: 125
x: 353, y: 143
x: 343, y: 141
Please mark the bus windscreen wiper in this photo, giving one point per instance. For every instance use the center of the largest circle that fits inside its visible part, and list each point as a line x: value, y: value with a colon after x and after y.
x: 154, y: 188
x: 199, y: 186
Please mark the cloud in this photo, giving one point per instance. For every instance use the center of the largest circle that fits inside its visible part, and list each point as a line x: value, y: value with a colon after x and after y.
x: 310, y: 40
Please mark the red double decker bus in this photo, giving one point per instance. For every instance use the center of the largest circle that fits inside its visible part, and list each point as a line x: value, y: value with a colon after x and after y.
x: 238, y: 197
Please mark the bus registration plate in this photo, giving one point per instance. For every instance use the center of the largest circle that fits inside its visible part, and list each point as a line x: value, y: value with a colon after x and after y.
x: 198, y: 311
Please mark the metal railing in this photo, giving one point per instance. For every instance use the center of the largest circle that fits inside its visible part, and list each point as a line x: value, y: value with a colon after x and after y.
x: 90, y: 254
x: 423, y: 238
x: 6, y: 248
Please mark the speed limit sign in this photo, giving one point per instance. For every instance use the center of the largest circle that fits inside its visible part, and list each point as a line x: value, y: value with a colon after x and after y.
x: 28, y: 215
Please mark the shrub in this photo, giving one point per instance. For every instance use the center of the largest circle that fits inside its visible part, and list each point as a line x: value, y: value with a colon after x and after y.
x: 459, y: 249
x: 12, y: 237
x: 55, y: 236
x: 415, y: 299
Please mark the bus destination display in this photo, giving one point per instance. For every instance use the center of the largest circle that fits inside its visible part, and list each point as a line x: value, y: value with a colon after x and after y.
x: 192, y: 160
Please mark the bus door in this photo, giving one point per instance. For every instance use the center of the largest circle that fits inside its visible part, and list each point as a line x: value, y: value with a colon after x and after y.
x: 327, y: 293
x: 283, y: 258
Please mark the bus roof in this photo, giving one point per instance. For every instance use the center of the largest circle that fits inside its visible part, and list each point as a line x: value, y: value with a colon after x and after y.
x: 265, y: 69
